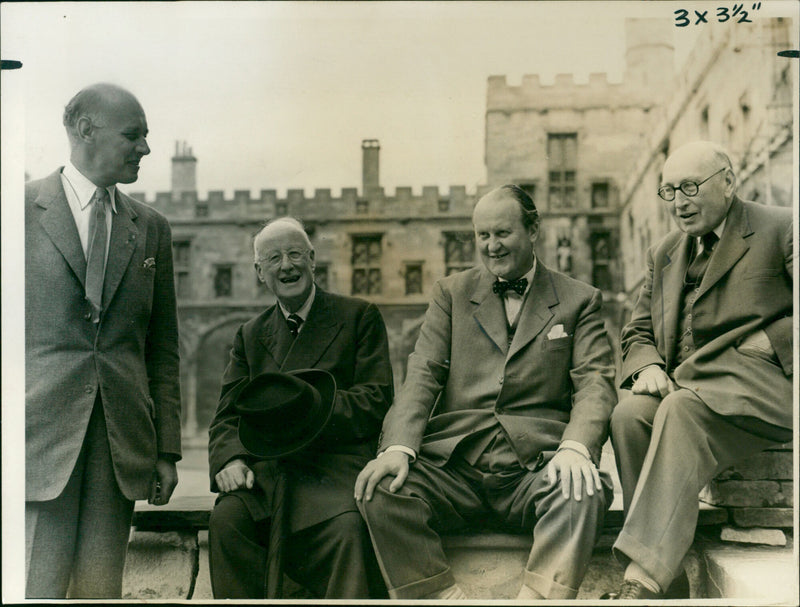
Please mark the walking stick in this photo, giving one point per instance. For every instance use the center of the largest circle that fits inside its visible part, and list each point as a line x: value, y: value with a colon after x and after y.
x: 277, y: 533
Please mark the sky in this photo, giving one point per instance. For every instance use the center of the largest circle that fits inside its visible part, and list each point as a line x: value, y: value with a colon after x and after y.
x: 280, y: 95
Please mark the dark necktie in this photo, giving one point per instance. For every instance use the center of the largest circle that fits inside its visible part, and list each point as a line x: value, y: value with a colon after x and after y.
x: 501, y: 287
x: 96, y: 253
x: 294, y: 322
x: 696, y: 269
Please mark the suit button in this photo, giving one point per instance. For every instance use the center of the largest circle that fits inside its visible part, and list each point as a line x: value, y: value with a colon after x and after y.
x: 688, y: 317
x: 685, y: 348
x: 87, y: 316
x: 89, y: 389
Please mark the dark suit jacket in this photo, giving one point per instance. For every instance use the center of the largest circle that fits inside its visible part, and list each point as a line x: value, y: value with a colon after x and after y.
x: 131, y: 356
x: 747, y: 286
x: 540, y: 390
x: 345, y: 336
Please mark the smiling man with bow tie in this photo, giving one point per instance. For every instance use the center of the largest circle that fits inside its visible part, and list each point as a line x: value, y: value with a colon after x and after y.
x: 516, y: 360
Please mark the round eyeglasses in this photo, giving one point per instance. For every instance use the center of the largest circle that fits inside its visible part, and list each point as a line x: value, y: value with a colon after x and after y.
x: 689, y: 188
x: 275, y: 258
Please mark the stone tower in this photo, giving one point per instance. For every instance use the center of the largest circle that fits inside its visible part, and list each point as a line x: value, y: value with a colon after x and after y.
x: 184, y: 170
x: 649, y: 54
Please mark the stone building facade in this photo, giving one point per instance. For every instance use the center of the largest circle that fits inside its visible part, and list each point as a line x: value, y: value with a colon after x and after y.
x: 590, y: 155
x: 389, y: 249
x: 735, y: 90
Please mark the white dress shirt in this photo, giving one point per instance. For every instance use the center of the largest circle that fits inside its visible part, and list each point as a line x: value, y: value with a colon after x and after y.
x: 79, y: 191
x: 304, y: 309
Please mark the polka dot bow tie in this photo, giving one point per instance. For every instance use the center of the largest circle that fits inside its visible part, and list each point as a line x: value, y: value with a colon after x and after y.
x: 501, y: 287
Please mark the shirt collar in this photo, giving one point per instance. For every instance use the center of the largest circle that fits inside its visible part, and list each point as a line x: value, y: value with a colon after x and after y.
x: 718, y: 231
x: 84, y: 189
x: 528, y: 275
x: 305, y: 308
x: 720, y: 228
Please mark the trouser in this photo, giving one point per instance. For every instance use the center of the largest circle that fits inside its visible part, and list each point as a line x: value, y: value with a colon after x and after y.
x: 82, y: 535
x: 667, y: 451
x: 405, y: 525
x: 333, y: 559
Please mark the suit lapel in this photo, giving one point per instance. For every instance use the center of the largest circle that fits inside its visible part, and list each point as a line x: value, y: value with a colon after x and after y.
x: 730, y: 248
x: 124, y: 235
x: 319, y: 330
x: 276, y: 337
x: 490, y: 313
x: 672, y: 277
x: 59, y: 224
x: 535, y: 312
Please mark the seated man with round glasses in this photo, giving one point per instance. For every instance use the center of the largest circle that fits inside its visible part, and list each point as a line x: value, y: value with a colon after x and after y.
x: 707, y: 356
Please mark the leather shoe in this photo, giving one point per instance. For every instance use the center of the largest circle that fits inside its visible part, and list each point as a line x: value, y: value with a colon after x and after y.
x: 632, y: 590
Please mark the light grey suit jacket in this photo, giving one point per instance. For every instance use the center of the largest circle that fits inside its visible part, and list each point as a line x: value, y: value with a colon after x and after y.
x: 747, y: 287
x: 540, y: 390
x: 131, y: 356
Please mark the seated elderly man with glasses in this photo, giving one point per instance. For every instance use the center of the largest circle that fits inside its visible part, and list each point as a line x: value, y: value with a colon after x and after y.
x: 707, y: 356
x: 302, y: 402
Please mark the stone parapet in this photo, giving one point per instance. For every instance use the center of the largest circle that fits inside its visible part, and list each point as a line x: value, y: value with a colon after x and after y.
x: 322, y: 206
x: 757, y: 492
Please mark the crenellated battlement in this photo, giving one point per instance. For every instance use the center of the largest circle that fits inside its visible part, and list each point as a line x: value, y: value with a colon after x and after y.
x: 565, y: 92
x: 323, y: 204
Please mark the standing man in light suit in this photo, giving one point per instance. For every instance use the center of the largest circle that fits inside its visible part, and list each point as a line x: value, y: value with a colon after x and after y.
x: 502, y: 416
x: 101, y: 368
x: 707, y: 356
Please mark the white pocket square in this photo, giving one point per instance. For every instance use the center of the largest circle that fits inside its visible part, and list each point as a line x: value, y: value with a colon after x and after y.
x: 556, y: 332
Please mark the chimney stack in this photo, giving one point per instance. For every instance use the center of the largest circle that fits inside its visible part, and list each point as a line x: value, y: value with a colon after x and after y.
x: 184, y: 170
x: 370, y: 165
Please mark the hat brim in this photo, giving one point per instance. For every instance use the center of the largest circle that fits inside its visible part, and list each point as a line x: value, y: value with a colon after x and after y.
x: 253, y: 440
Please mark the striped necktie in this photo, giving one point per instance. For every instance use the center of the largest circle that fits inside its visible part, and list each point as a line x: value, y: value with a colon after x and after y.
x: 294, y: 322
x: 96, y: 254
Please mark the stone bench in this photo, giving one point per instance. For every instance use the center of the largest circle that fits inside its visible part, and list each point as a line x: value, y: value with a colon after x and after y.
x: 744, y: 508
x: 168, y: 556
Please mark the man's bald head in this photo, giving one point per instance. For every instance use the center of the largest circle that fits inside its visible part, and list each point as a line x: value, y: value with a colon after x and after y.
x: 94, y: 102
x: 107, y: 132
x: 708, y: 166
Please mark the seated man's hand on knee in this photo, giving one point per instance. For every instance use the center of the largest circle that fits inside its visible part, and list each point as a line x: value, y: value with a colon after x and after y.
x: 653, y: 380
x: 235, y: 475
x: 393, y: 463
x: 576, y: 472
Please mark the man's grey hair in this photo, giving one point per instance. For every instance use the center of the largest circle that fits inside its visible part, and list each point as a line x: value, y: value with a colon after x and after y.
x: 293, y: 221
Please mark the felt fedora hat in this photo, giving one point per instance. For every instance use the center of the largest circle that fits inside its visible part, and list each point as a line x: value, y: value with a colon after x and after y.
x: 282, y: 413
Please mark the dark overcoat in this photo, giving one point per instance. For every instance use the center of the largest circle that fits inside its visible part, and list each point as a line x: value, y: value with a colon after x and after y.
x: 345, y: 336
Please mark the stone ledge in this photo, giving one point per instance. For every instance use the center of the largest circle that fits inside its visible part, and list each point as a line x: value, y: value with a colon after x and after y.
x: 488, y: 564
x: 750, y: 493
x: 763, y: 517
x: 768, y: 574
x: 161, y: 565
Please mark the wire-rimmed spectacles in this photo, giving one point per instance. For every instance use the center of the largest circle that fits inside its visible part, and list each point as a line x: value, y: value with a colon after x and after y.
x: 275, y: 258
x: 689, y: 188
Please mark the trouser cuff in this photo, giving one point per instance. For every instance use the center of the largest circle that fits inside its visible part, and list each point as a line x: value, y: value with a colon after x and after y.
x: 548, y: 588
x: 424, y: 588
